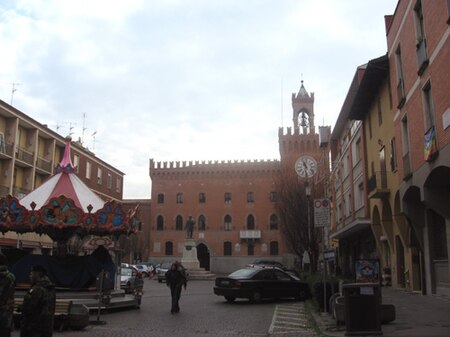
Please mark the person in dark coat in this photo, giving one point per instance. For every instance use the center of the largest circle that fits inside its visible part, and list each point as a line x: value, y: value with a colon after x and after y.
x: 176, y: 279
x: 38, y: 307
x: 7, y: 287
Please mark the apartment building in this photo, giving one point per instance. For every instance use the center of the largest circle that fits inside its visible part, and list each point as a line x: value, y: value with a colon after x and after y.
x: 29, y: 153
x: 350, y: 216
x: 419, y: 53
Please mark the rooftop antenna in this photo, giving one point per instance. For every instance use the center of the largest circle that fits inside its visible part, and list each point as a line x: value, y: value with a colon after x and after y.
x: 93, y: 137
x: 84, y: 128
x: 71, y: 127
x: 13, y: 90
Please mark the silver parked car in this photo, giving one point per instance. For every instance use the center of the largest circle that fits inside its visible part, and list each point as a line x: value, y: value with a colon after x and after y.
x: 161, y: 271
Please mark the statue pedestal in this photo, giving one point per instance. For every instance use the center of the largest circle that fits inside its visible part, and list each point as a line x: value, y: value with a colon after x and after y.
x: 189, y: 259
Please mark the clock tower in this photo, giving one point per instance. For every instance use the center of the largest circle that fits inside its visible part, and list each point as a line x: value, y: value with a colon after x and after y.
x: 300, y: 141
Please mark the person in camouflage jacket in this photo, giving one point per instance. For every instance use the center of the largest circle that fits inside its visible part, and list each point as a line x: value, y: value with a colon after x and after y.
x: 38, y: 306
x: 7, y: 287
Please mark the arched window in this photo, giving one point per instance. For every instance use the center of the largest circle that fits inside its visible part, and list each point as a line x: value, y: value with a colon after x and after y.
x: 160, y: 223
x: 273, y: 222
x: 179, y: 198
x: 227, y: 225
x: 201, y: 223
x: 179, y: 223
x: 250, y: 222
x: 169, y: 248
x: 227, y: 248
x: 273, y: 248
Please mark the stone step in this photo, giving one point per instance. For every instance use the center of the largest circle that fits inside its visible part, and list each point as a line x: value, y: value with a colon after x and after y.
x: 200, y: 274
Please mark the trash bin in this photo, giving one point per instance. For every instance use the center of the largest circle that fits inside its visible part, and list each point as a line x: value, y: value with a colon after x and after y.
x: 362, y: 309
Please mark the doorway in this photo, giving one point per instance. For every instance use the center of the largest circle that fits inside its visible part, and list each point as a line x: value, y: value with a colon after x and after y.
x: 203, y: 256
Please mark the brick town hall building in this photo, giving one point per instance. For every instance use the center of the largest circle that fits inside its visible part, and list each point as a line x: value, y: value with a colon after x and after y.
x: 234, y: 203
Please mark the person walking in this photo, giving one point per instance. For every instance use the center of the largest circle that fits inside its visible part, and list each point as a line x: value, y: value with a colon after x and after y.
x: 176, y: 279
x: 38, y: 305
x: 7, y: 287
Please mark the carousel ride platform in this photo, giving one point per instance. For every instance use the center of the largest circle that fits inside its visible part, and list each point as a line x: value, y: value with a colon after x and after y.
x: 75, y: 310
x: 90, y: 299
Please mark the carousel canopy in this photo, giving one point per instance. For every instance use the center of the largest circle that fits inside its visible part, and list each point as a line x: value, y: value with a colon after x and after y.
x: 64, y: 182
x: 63, y: 206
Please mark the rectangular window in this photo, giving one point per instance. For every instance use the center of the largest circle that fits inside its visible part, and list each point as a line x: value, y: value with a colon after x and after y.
x: 345, y: 162
x: 369, y: 125
x: 160, y: 198
x: 109, y: 181
x: 393, y: 155
x: 76, y: 161
x: 227, y: 197
x: 202, y: 198
x: 356, y: 153
x: 179, y: 198
x: 88, y: 170
x: 421, y: 43
x: 349, y: 205
x: 118, y: 185
x: 428, y: 106
x: 360, y: 195
x: 401, y: 97
x: 250, y: 197
x: 273, y: 196
x: 99, y: 175
x: 405, y: 148
x: 448, y: 11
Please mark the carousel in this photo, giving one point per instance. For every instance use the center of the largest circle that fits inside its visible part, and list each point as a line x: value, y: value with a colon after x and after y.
x: 87, y: 231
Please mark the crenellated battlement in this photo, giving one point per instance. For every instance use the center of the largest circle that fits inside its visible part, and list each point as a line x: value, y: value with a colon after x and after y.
x: 211, y: 166
x: 289, y: 131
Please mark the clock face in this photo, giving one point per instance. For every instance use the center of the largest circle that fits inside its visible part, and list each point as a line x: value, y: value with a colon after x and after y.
x: 306, y: 166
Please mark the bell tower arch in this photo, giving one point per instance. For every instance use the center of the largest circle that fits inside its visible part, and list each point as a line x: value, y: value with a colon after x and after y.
x: 300, y: 138
x: 303, y: 111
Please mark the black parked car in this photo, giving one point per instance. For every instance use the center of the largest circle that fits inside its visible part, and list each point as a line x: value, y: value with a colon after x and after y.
x: 272, y: 263
x: 260, y: 283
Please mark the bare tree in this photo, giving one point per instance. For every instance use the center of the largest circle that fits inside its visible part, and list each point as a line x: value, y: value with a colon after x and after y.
x: 293, y: 210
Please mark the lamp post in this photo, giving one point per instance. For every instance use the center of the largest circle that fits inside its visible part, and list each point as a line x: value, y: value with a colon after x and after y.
x: 308, y: 195
x: 308, y: 221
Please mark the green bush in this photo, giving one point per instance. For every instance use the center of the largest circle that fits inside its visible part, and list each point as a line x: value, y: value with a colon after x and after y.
x: 316, y: 287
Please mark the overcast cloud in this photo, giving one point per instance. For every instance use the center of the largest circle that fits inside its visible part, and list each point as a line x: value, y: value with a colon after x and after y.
x: 182, y: 80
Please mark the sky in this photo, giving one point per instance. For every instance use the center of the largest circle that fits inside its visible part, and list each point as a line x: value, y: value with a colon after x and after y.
x: 178, y: 80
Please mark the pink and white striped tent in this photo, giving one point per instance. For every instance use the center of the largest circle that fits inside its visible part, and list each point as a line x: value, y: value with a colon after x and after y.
x: 64, y: 182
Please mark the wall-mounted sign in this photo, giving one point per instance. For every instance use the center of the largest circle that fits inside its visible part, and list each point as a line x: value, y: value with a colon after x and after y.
x: 321, y: 212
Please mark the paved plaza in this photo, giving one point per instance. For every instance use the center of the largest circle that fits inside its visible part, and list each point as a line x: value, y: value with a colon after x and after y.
x: 202, y: 314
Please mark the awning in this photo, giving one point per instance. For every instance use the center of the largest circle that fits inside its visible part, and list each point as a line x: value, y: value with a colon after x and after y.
x: 354, y: 227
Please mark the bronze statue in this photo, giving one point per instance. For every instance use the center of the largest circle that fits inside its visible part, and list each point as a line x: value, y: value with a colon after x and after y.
x: 190, y: 223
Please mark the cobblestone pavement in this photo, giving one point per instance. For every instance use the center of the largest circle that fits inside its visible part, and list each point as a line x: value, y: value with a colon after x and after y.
x: 203, y: 314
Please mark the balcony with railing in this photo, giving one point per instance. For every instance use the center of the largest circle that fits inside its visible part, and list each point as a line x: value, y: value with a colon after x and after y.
x: 44, y: 165
x: 377, y: 186
x: 6, y: 150
x: 25, y: 156
x: 4, y: 190
x: 250, y: 234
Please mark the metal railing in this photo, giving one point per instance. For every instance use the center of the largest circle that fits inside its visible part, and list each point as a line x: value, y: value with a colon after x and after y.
x: 25, y: 156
